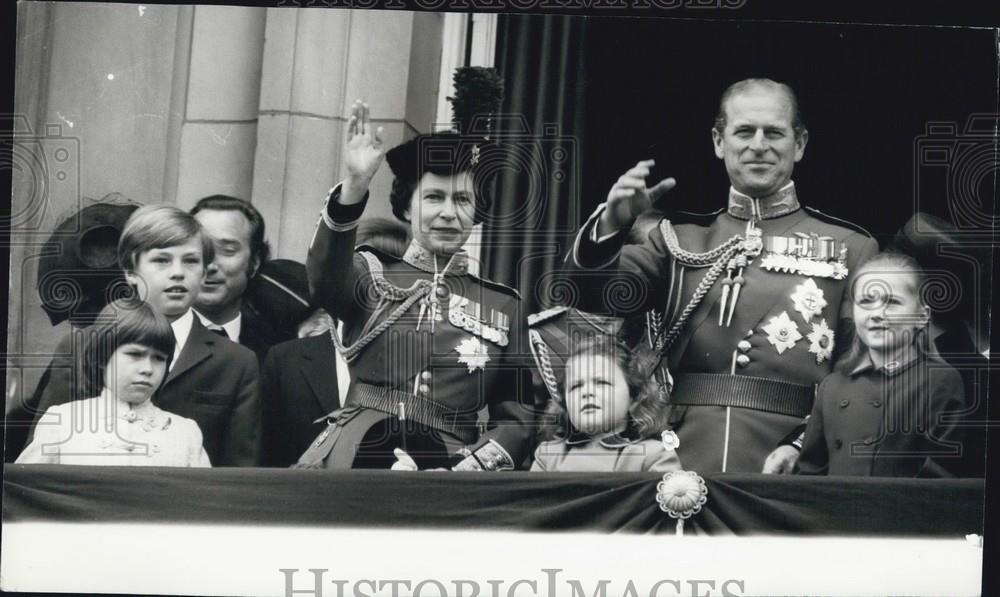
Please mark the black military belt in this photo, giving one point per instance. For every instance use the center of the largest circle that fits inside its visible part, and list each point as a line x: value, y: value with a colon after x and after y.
x: 418, y: 410
x: 742, y: 391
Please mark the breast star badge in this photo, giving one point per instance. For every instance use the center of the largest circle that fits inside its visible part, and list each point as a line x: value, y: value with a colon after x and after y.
x: 782, y: 332
x: 473, y: 354
x: 821, y: 341
x: 808, y: 299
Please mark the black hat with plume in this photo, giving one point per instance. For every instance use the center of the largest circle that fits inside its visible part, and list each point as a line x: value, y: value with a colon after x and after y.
x: 478, y: 93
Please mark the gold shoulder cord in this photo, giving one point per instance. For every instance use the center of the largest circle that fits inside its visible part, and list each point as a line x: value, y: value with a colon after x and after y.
x: 387, y: 291
x: 715, y: 259
x: 541, y: 351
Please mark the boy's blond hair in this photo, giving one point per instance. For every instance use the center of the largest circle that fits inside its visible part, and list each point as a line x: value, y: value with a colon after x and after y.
x: 157, y: 227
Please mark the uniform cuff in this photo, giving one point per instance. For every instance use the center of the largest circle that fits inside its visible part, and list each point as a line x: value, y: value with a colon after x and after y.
x: 797, y: 437
x: 491, y: 456
x: 798, y: 442
x: 592, y: 251
x: 338, y: 217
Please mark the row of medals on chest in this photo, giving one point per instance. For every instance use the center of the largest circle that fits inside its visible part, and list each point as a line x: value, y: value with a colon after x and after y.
x: 465, y: 314
x: 803, y: 254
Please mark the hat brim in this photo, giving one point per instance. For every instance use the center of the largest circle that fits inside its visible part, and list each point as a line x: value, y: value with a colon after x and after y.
x: 79, y: 274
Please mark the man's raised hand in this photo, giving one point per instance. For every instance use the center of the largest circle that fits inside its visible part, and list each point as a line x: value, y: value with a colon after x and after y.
x: 363, y: 153
x: 629, y: 197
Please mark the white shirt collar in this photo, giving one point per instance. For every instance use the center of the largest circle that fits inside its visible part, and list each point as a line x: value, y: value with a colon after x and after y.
x: 182, y: 329
x: 233, y: 327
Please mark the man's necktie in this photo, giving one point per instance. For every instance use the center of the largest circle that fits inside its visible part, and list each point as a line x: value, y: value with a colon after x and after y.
x: 220, y: 331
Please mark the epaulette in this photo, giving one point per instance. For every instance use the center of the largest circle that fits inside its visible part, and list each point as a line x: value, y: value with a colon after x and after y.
x: 382, y: 255
x: 543, y: 316
x: 605, y: 324
x: 690, y: 217
x: 835, y: 221
x: 497, y: 286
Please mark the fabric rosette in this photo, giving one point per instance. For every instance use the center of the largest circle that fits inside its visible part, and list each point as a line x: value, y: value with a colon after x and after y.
x: 681, y: 494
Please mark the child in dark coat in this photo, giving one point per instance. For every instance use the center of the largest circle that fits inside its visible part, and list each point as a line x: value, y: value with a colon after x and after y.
x: 884, y: 412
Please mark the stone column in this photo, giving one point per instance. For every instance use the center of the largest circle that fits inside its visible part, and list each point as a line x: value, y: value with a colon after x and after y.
x: 218, y: 133
x: 91, y: 102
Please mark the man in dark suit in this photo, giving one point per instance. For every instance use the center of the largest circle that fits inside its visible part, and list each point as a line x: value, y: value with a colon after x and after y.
x: 275, y: 305
x: 299, y: 386
x: 241, y: 250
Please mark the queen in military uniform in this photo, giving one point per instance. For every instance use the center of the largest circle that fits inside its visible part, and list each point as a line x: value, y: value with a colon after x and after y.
x: 427, y: 342
x: 746, y: 303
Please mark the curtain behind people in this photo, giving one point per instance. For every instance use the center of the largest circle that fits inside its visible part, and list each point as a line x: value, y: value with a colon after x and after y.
x: 533, y: 215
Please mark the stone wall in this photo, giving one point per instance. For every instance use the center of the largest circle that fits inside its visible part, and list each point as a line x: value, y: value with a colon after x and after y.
x: 171, y: 103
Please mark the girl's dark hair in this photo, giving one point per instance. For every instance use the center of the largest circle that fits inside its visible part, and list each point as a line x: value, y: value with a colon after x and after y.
x: 647, y: 414
x: 893, y: 261
x: 123, y: 321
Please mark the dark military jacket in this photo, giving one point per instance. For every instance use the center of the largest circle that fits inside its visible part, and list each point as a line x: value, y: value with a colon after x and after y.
x: 402, y: 320
x: 783, y: 329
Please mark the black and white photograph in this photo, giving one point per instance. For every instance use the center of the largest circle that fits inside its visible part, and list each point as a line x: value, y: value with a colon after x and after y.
x: 539, y: 298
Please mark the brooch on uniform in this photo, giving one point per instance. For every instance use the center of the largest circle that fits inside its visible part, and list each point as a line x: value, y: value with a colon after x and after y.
x: 821, y: 341
x: 805, y: 254
x: 808, y: 299
x: 473, y: 354
x: 782, y: 332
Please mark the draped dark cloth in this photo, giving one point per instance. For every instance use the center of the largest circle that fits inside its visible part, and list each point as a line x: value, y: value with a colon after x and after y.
x: 742, y: 504
x: 534, y: 212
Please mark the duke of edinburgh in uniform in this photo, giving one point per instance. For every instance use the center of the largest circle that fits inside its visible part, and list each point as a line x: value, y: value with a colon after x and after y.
x: 746, y: 302
x: 427, y: 342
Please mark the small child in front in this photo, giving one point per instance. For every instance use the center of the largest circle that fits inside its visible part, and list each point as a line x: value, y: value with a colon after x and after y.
x: 612, y: 417
x: 880, y: 413
x: 125, y: 360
